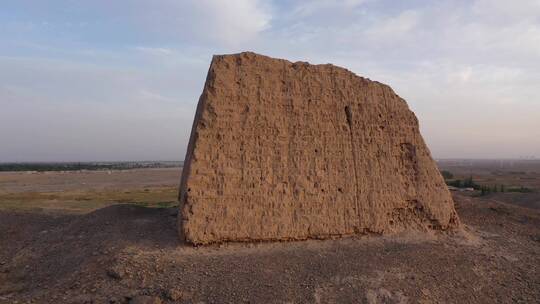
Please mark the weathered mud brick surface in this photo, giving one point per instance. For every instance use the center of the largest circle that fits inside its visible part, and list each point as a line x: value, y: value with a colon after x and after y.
x: 290, y: 151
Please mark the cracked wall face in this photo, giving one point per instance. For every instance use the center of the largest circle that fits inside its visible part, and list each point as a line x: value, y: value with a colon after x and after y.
x: 290, y: 151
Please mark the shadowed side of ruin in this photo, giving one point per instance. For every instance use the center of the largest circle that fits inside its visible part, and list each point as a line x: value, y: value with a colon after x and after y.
x: 290, y: 151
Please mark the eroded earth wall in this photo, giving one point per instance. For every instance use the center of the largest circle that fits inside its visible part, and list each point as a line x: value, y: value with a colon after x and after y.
x: 287, y: 151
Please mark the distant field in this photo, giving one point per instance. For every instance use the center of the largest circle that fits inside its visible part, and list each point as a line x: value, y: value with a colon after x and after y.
x: 77, y: 166
x: 80, y: 192
x: 509, y: 175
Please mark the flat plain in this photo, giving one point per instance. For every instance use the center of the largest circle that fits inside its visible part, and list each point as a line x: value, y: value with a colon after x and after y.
x: 111, y: 237
x: 84, y: 191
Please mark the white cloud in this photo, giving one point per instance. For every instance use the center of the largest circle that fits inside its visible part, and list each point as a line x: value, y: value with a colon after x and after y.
x: 393, y: 29
x: 154, y: 51
x: 232, y: 22
x: 153, y: 97
x: 308, y: 8
x: 225, y: 23
x: 463, y: 75
x: 502, y: 11
x: 469, y: 69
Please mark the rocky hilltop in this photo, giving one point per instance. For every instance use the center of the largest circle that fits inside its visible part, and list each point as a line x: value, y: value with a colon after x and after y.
x: 291, y: 151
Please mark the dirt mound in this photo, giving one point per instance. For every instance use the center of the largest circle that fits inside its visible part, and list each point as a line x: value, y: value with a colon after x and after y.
x: 285, y: 151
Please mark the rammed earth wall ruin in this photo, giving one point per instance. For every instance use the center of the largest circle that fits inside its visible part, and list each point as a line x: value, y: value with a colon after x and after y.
x: 290, y: 151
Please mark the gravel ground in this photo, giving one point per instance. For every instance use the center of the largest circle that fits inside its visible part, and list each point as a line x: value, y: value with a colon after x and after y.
x: 130, y: 254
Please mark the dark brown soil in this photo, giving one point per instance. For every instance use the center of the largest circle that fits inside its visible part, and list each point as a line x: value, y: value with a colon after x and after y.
x: 121, y: 253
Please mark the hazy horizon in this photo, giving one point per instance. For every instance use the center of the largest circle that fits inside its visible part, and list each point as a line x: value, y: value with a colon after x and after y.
x: 531, y: 158
x: 102, y: 80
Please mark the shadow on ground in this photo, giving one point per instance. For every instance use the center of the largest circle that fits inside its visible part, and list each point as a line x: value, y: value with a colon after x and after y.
x: 39, y: 249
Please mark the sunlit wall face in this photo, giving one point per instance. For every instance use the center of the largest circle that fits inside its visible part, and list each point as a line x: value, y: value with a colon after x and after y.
x: 119, y: 80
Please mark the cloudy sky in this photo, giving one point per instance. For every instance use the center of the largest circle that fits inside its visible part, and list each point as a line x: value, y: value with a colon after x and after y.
x: 119, y: 80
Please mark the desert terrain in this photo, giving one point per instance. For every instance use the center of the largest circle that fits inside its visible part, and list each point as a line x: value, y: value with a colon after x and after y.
x: 111, y: 237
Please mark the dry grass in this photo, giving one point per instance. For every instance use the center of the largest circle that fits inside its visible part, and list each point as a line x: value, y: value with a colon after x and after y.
x: 85, y: 191
x: 78, y: 201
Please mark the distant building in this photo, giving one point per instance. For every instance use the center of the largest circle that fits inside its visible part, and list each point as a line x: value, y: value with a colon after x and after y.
x: 452, y: 188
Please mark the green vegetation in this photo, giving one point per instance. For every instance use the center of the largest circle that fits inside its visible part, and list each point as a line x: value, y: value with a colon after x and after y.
x: 447, y: 174
x: 519, y: 189
x: 501, y: 188
x: 168, y: 204
x: 467, y: 183
x: 484, y: 189
x: 77, y: 166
